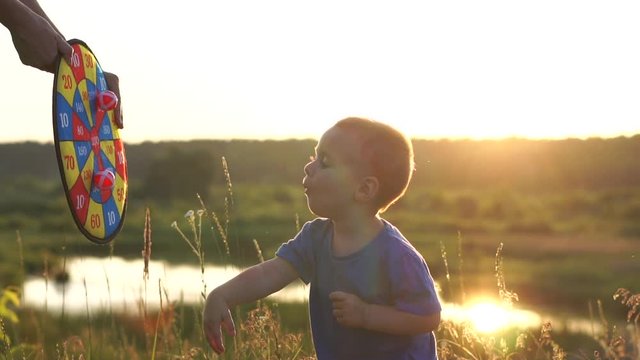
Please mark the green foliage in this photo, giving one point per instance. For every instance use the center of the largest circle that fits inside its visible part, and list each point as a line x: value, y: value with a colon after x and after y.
x: 178, y: 174
x: 9, y: 300
x: 513, y: 164
x: 567, y: 212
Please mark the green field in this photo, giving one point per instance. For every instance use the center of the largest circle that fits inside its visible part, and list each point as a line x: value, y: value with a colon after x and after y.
x: 567, y: 245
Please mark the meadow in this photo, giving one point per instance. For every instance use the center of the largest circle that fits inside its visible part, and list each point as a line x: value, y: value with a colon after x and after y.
x: 564, y: 250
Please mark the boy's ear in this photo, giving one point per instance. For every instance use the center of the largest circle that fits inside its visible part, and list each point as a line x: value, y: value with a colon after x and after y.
x: 368, y: 189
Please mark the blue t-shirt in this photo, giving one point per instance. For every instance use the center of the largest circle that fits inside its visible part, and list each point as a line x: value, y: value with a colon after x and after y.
x: 387, y: 271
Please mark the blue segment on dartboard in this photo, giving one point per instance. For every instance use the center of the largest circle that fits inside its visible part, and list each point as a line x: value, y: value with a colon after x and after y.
x: 106, y: 163
x: 64, y: 119
x: 83, y: 151
x: 100, y: 79
x: 78, y: 108
x: 111, y: 216
x: 106, y: 132
x: 96, y: 194
x: 93, y: 95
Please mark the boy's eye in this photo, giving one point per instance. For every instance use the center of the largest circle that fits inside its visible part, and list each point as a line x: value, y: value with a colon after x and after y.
x: 324, y: 162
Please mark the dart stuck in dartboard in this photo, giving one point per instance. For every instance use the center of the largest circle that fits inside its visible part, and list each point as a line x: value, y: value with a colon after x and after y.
x: 89, y: 149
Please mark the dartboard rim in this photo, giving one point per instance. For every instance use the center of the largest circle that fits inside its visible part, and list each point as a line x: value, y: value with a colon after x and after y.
x: 56, y: 138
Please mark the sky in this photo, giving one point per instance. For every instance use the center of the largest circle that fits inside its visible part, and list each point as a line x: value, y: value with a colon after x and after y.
x: 290, y: 69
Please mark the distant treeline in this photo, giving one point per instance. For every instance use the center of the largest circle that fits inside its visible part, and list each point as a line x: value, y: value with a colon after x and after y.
x: 531, y: 165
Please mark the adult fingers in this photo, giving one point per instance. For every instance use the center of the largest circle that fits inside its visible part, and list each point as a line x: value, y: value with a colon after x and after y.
x: 64, y: 49
x: 113, y: 83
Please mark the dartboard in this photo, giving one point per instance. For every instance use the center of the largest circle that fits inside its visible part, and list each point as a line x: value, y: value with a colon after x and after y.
x: 90, y: 152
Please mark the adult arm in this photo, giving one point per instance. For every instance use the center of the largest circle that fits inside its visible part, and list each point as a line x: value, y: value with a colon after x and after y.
x: 39, y: 42
x: 36, y: 39
x: 250, y: 285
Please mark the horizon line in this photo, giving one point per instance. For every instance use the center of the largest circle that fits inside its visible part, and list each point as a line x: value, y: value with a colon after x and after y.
x: 300, y: 138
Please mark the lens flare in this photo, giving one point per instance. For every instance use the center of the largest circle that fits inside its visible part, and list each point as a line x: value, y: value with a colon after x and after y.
x: 488, y: 315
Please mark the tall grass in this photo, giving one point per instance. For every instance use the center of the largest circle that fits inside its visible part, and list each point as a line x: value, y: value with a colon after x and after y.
x: 174, y: 330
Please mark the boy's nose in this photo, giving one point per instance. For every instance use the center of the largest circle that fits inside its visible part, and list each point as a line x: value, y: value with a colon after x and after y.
x: 307, y: 168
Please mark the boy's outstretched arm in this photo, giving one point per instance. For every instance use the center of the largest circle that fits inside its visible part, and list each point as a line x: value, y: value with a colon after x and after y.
x: 349, y: 310
x: 250, y: 285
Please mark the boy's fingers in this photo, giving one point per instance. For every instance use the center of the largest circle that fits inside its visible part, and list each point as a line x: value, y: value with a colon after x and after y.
x: 337, y: 295
x: 229, y: 326
x: 214, y: 337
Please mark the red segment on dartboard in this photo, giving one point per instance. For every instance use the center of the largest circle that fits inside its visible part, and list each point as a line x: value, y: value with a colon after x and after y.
x: 121, y: 163
x: 80, y: 131
x: 80, y: 199
x: 77, y: 64
x: 99, y: 118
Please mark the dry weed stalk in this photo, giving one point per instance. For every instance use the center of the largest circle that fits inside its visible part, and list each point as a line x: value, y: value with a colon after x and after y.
x: 631, y: 301
x: 146, y: 250
x: 506, y: 296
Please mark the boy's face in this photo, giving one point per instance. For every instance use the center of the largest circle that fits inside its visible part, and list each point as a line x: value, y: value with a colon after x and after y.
x: 333, y: 174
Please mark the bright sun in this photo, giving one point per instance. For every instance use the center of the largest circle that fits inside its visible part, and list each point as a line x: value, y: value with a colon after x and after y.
x: 488, y: 315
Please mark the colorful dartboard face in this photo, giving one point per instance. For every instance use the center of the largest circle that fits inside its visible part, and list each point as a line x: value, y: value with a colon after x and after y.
x: 90, y: 152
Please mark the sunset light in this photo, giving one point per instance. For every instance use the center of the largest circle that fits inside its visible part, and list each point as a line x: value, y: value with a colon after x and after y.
x: 464, y: 173
x: 488, y: 316
x: 287, y: 69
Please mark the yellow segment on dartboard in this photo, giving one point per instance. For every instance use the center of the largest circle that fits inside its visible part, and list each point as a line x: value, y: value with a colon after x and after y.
x: 95, y: 220
x: 108, y: 149
x: 114, y: 128
x: 119, y: 193
x: 66, y: 82
x: 89, y: 62
x: 84, y: 95
x: 69, y: 161
x: 87, y: 172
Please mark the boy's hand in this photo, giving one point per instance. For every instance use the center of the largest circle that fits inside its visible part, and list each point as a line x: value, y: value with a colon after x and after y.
x: 216, y: 315
x: 348, y: 309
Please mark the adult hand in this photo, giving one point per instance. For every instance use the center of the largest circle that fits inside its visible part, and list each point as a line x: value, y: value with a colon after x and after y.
x: 38, y: 44
x: 113, y: 83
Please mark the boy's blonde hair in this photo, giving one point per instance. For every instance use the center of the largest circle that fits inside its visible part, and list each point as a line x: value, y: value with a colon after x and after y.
x: 388, y: 153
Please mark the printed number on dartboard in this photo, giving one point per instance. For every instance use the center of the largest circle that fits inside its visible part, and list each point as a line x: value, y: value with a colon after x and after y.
x: 86, y: 175
x: 75, y: 60
x: 95, y: 221
x: 64, y: 120
x: 88, y: 60
x: 111, y: 218
x: 80, y: 201
x: 69, y: 162
x: 67, y: 82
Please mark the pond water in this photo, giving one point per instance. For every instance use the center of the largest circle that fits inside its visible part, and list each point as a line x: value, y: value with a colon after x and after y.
x: 118, y: 285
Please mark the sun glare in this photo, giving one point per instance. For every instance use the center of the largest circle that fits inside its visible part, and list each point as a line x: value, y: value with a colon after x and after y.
x: 488, y: 316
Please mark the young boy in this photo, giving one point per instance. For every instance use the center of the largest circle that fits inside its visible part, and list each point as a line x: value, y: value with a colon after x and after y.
x: 371, y: 294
